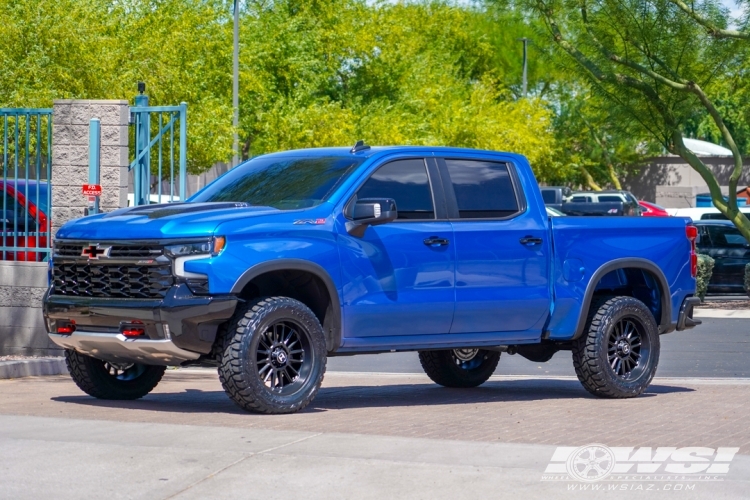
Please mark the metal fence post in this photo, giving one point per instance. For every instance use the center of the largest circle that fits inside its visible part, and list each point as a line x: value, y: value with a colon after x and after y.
x: 95, y: 134
x: 183, y: 150
x: 142, y: 174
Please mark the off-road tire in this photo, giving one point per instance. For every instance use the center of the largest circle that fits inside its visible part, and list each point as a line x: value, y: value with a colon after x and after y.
x: 93, y: 377
x: 445, y: 368
x: 592, y: 351
x: 239, y: 366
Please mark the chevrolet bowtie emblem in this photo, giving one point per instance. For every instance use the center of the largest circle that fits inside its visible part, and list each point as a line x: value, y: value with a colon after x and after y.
x: 93, y: 252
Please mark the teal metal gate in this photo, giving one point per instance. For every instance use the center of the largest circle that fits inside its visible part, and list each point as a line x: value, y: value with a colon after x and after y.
x: 26, y: 157
x: 157, y: 156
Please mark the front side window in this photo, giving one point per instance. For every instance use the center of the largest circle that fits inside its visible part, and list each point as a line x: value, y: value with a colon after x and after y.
x: 484, y: 189
x: 283, y: 183
x: 405, y: 181
x: 580, y: 199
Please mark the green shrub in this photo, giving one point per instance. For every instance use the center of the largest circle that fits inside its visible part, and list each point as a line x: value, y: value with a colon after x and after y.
x: 747, y: 278
x: 705, y: 269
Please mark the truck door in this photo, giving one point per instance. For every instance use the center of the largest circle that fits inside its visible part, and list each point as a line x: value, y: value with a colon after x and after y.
x: 501, y: 249
x: 398, y: 278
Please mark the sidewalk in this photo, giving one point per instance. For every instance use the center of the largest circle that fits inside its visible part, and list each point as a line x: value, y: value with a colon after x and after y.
x: 365, y: 436
x: 31, y: 367
x: 66, y: 458
x: 551, y: 411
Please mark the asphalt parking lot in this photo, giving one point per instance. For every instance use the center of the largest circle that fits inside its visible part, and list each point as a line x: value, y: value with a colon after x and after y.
x: 720, y: 347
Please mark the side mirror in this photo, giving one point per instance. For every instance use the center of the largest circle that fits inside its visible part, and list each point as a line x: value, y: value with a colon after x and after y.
x: 370, y: 212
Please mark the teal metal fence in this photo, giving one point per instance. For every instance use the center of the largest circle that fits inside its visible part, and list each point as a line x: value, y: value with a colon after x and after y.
x: 26, y: 156
x: 158, y: 155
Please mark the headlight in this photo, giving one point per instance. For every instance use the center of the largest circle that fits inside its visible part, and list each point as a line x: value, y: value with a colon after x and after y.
x: 212, y: 247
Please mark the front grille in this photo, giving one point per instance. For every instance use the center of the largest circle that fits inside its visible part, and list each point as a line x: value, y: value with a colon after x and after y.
x: 117, y: 251
x: 68, y: 250
x: 136, y: 251
x: 102, y: 279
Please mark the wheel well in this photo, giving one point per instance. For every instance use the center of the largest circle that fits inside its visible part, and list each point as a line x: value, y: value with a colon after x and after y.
x: 300, y: 285
x: 635, y: 282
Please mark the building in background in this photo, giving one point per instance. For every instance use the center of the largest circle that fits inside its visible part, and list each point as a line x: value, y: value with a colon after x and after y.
x: 670, y: 182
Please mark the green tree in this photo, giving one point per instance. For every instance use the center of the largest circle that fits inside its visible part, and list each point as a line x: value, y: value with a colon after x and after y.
x: 99, y: 49
x: 328, y: 73
x: 655, y: 61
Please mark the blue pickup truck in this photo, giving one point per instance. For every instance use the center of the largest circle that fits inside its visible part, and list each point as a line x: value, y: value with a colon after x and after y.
x: 293, y: 257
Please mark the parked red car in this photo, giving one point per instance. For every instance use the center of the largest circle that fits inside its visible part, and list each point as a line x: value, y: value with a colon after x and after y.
x: 652, y: 210
x: 24, y: 223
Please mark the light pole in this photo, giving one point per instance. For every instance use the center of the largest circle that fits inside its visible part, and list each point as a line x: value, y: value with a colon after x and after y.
x: 525, y: 43
x: 236, y: 84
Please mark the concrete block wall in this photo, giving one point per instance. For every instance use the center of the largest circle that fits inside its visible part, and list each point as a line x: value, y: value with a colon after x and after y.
x: 22, y: 332
x: 70, y: 159
x: 22, y: 284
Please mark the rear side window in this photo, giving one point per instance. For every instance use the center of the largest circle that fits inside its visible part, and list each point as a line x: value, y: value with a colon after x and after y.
x: 484, y: 189
x: 726, y: 236
x: 405, y: 181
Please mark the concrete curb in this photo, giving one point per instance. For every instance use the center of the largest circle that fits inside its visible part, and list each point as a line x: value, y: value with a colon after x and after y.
x: 721, y: 313
x: 32, y: 368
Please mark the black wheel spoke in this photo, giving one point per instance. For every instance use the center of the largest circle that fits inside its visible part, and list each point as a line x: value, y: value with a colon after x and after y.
x: 288, y: 337
x: 624, y: 347
x: 280, y: 356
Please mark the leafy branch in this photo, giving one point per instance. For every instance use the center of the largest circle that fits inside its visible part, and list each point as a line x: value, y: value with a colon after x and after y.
x: 711, y: 28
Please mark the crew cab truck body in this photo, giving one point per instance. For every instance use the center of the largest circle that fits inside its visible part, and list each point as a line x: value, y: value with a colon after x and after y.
x: 297, y: 256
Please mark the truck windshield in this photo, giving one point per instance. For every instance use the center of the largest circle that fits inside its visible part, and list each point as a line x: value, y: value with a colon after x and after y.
x: 283, y: 183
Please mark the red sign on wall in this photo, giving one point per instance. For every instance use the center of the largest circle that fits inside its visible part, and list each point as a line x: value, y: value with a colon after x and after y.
x: 92, y: 190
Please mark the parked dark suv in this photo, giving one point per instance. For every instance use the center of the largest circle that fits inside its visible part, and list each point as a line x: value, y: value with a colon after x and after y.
x: 722, y: 240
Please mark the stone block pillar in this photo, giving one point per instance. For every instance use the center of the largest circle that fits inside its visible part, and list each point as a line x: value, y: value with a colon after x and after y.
x: 70, y: 148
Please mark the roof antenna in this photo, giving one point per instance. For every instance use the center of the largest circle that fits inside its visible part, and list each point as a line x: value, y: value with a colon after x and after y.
x: 360, y: 146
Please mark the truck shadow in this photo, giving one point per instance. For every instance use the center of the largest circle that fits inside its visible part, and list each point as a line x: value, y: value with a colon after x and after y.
x: 378, y: 396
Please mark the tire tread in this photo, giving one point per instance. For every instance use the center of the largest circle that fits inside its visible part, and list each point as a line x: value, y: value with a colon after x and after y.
x: 231, y: 369
x: 89, y: 375
x: 589, y: 370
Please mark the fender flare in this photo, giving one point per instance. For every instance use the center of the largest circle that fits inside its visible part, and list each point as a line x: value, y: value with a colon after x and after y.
x: 333, y: 332
x: 665, y: 323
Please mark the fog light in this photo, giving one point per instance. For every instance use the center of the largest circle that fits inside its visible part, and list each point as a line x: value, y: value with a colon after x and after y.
x: 66, y: 328
x: 134, y: 328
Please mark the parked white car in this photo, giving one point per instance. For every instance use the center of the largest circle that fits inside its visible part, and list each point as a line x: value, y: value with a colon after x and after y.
x: 709, y: 213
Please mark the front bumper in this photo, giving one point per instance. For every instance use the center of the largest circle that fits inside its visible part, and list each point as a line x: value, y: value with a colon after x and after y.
x: 178, y: 328
x: 121, y: 349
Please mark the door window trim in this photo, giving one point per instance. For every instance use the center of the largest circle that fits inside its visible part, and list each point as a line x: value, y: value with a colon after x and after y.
x: 434, y: 182
x: 450, y: 194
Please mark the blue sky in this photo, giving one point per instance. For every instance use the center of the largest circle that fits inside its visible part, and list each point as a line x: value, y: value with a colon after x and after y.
x: 731, y: 5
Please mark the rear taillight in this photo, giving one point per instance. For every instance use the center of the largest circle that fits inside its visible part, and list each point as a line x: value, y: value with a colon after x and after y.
x: 692, y: 234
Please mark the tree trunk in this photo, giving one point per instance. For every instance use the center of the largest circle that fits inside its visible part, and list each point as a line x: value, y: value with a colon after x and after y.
x: 589, y: 180
x: 613, y: 177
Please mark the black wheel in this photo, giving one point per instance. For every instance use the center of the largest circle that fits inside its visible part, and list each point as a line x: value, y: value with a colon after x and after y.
x: 459, y: 367
x: 105, y: 380
x: 274, y: 356
x: 618, y: 353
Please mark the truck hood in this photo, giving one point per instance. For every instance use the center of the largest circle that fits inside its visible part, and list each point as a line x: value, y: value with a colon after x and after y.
x: 166, y: 221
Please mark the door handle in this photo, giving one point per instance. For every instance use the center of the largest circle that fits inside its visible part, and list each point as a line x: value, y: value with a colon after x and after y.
x: 530, y: 240
x: 434, y: 241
